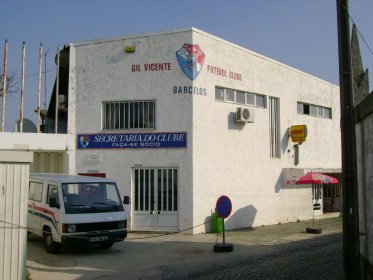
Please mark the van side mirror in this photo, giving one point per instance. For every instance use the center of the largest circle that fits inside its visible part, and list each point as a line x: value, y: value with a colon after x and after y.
x: 53, y: 203
x: 126, y: 200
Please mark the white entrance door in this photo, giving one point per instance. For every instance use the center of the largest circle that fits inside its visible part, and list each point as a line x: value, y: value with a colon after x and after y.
x: 155, y: 199
x: 317, y: 199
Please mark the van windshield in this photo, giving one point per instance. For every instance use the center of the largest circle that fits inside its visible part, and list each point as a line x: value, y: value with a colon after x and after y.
x: 82, y: 198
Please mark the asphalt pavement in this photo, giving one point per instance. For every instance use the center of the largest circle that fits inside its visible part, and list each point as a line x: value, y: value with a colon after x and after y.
x: 283, y: 251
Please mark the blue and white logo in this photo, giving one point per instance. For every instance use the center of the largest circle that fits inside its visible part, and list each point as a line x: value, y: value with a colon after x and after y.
x: 190, y: 58
x: 84, y: 141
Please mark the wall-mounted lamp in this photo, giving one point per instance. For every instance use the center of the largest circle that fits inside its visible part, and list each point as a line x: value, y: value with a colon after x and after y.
x: 130, y: 49
x: 298, y: 133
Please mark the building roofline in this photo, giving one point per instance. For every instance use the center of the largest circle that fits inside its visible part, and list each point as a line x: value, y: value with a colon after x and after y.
x: 131, y: 36
x: 193, y: 29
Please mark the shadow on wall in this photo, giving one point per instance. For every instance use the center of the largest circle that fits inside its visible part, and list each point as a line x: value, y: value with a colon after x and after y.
x: 232, y: 124
x: 208, y: 224
x: 280, y: 182
x: 285, y: 142
x: 288, y: 174
x: 242, y: 218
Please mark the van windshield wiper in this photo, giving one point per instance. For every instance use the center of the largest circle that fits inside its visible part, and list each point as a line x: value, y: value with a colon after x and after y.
x: 106, y: 204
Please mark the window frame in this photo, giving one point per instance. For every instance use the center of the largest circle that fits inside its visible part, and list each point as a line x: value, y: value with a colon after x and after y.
x: 50, y: 187
x: 257, y: 100
x: 274, y: 127
x: 313, y: 110
x: 129, y: 115
x: 32, y: 191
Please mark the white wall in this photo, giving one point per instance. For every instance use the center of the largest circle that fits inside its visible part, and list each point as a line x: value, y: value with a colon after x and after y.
x: 37, y: 141
x: 48, y: 148
x: 14, y: 177
x: 234, y: 159
x: 103, y: 72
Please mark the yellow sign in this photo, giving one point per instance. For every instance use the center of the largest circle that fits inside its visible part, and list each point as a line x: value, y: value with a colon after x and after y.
x: 298, y: 133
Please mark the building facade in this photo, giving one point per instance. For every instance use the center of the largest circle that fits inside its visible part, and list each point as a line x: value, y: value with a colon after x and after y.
x: 180, y: 118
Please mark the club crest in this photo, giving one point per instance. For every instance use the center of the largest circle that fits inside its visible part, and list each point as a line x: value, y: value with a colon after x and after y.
x: 190, y: 58
x: 84, y: 141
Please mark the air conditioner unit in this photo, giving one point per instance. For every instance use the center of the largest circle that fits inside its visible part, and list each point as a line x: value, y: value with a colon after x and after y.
x: 245, y: 115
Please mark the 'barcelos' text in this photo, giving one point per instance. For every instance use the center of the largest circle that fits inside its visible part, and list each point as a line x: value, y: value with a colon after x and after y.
x: 189, y: 90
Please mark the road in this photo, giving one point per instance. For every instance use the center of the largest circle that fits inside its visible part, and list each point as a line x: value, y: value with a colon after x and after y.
x: 319, y: 258
x: 283, y: 251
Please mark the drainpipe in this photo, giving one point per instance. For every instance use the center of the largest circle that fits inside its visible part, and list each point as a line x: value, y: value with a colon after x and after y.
x: 296, y: 154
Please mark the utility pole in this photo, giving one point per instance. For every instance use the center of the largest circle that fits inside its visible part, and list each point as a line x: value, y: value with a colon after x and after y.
x: 351, y: 247
x: 22, y: 86
x: 4, y: 85
x: 57, y: 90
x: 39, y: 89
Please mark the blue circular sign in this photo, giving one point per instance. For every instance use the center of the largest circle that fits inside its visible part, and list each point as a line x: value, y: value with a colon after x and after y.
x: 223, y: 206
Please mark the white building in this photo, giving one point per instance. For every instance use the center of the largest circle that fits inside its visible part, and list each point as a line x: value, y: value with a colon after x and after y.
x: 157, y: 113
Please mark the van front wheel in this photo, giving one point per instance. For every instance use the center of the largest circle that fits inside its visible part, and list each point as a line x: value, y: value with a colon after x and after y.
x: 51, y: 246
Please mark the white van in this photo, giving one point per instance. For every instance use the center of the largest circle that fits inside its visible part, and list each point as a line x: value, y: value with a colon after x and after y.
x: 75, y: 210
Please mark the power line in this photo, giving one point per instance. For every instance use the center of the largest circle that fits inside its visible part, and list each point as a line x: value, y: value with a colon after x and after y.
x: 362, y: 37
x: 357, y: 29
x: 35, y: 74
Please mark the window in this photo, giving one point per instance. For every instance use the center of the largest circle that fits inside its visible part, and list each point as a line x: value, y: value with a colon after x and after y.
x: 314, y: 110
x: 122, y: 115
x: 230, y: 95
x: 316, y: 191
x: 274, y: 126
x: 331, y: 191
x: 219, y: 94
x: 260, y: 100
x: 240, y: 97
x: 81, y: 198
x: 327, y: 113
x: 300, y: 108
x: 53, y: 193
x: 35, y: 191
x: 250, y: 98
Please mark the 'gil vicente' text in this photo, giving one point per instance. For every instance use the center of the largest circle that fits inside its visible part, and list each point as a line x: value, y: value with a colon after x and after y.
x: 149, y: 67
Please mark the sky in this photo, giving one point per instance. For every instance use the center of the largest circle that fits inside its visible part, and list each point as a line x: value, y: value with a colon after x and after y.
x: 299, y: 33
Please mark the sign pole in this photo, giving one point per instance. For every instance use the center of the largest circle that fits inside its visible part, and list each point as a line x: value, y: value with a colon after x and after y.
x: 223, y: 209
x: 223, y: 232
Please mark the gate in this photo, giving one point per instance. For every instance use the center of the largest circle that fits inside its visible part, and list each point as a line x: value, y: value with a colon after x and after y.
x: 364, y: 150
x: 155, y: 199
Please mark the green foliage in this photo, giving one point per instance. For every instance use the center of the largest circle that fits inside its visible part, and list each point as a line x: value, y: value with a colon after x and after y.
x: 28, y: 274
x: 11, y: 83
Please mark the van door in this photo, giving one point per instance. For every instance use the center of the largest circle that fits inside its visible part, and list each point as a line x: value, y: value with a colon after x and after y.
x: 53, y: 206
x: 34, y: 204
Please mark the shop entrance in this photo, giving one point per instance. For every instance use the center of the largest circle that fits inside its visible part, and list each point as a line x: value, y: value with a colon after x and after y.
x: 332, y: 198
x: 317, y: 199
x: 155, y: 199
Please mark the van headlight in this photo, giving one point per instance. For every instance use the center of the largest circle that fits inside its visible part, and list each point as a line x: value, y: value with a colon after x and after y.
x: 68, y: 228
x: 122, y: 224
x: 71, y: 228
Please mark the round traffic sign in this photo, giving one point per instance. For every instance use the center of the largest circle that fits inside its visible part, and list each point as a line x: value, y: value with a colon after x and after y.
x: 223, y: 206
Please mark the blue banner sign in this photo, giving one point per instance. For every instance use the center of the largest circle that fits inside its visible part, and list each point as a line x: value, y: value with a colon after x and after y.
x: 154, y: 140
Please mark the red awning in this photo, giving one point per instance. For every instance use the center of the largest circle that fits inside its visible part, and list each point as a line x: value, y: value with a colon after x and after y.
x: 312, y: 178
